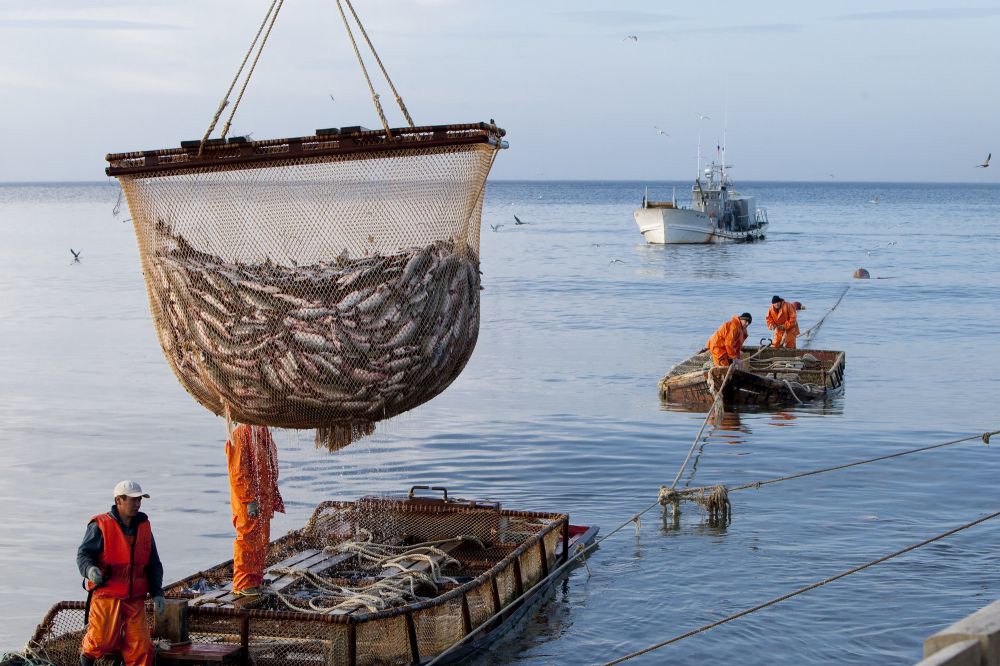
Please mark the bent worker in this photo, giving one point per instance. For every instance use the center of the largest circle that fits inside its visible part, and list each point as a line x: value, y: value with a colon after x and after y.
x: 781, y: 318
x: 119, y: 560
x: 726, y: 344
x: 254, y: 495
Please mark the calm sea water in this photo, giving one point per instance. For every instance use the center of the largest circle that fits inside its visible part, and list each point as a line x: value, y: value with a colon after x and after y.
x: 558, y: 410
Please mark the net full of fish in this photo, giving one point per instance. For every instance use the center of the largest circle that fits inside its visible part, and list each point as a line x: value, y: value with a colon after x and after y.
x: 334, y: 345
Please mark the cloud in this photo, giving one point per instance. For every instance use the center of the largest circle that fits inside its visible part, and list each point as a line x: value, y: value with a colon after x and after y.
x: 761, y: 28
x: 624, y: 17
x: 943, y: 13
x: 83, y: 24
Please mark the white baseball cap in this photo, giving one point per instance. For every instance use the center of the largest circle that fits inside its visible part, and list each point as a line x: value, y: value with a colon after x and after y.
x: 130, y: 489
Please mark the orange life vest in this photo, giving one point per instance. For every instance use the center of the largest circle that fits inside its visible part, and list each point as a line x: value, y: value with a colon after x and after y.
x: 123, y: 560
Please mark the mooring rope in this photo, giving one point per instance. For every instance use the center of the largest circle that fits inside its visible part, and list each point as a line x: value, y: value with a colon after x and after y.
x: 801, y: 590
x: 809, y: 332
x: 581, y: 550
x: 670, y: 495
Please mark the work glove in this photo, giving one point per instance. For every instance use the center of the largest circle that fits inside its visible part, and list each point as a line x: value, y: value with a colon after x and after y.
x: 159, y: 604
x: 95, y: 576
x: 253, y: 508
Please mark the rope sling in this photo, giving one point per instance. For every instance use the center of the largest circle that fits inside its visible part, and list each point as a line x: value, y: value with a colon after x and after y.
x: 323, y: 282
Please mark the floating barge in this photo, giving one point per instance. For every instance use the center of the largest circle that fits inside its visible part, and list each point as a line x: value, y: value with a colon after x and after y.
x: 330, y: 599
x: 769, y: 378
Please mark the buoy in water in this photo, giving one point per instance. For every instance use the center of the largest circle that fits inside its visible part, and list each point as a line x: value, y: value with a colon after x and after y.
x: 861, y: 274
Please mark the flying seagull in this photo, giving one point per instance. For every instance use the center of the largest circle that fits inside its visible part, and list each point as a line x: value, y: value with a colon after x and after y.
x: 660, y: 131
x: 517, y: 220
x: 634, y: 38
x: 617, y: 261
x: 702, y: 116
x: 76, y: 255
x: 495, y: 227
x: 985, y: 164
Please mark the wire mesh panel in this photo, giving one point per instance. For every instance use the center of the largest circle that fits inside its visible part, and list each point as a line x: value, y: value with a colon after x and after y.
x: 325, y: 290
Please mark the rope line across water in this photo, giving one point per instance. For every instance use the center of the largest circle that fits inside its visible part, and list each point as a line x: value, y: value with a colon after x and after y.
x: 801, y: 590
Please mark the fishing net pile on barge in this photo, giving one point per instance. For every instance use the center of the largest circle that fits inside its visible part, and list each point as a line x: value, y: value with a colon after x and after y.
x: 384, y: 580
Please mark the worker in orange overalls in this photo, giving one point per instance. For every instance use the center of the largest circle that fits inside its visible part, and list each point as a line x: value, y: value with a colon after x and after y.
x: 782, y: 319
x: 253, y: 484
x: 119, y: 560
x: 726, y: 344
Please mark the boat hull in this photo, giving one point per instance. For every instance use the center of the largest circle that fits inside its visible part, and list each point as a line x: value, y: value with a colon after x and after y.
x: 775, y: 378
x: 685, y: 226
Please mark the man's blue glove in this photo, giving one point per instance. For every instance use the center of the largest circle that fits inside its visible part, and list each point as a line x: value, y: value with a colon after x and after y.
x: 253, y: 508
x: 159, y: 605
x: 95, y: 576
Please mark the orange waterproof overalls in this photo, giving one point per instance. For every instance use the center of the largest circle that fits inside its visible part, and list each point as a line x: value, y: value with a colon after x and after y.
x: 253, y: 477
x: 726, y: 344
x: 782, y: 318
x: 117, y: 621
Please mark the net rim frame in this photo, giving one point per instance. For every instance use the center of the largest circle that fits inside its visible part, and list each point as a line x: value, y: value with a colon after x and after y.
x: 238, y: 153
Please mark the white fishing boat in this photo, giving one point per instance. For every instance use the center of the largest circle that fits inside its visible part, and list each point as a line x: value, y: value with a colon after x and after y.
x: 718, y: 214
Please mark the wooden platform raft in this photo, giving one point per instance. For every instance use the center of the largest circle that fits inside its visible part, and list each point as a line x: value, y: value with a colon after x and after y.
x: 770, y: 378
x: 384, y: 580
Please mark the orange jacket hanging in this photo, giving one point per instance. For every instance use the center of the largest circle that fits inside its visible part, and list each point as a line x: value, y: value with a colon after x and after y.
x: 727, y: 342
x: 784, y: 316
x: 123, y: 560
x: 253, y: 471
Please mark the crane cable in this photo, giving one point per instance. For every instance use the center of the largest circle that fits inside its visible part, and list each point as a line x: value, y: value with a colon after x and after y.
x: 273, y: 9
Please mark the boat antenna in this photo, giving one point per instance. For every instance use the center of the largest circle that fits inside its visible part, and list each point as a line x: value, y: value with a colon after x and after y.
x: 725, y: 125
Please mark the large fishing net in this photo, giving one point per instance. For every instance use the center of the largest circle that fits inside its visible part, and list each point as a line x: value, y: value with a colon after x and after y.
x: 323, y: 282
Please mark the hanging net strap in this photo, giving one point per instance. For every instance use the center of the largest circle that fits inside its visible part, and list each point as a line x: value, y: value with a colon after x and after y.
x: 272, y: 14
x: 364, y: 70
x: 399, y: 100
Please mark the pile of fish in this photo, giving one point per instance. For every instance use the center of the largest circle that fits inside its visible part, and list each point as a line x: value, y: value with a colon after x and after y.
x: 334, y: 345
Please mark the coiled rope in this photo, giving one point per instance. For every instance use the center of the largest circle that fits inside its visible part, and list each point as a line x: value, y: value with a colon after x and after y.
x: 802, y: 590
x: 392, y: 590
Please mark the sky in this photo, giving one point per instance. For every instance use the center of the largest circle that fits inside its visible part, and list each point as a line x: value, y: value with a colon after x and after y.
x: 872, y: 90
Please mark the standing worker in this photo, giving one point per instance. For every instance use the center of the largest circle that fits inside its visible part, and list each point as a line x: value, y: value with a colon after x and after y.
x: 726, y: 344
x: 253, y: 483
x: 119, y: 560
x: 782, y: 319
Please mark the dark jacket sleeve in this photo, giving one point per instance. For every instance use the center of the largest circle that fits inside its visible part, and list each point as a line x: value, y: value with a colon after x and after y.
x: 154, y: 571
x: 90, y: 550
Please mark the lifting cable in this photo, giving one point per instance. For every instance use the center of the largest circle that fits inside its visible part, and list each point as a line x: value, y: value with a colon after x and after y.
x: 801, y: 590
x: 581, y: 551
x: 364, y: 70
x: 399, y: 100
x: 273, y: 9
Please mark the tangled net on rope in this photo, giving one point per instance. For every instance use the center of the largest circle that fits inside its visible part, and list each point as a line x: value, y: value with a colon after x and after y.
x: 715, y: 500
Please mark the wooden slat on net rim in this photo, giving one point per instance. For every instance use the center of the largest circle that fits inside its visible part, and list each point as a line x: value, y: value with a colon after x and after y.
x: 239, y: 153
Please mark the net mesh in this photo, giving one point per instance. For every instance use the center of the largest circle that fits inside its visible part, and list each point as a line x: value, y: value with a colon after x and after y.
x: 315, y: 292
x: 493, y: 542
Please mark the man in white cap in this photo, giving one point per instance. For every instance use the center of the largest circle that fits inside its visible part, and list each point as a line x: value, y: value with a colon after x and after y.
x: 119, y: 560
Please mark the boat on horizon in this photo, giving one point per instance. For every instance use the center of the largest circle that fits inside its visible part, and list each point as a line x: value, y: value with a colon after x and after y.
x: 718, y: 213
